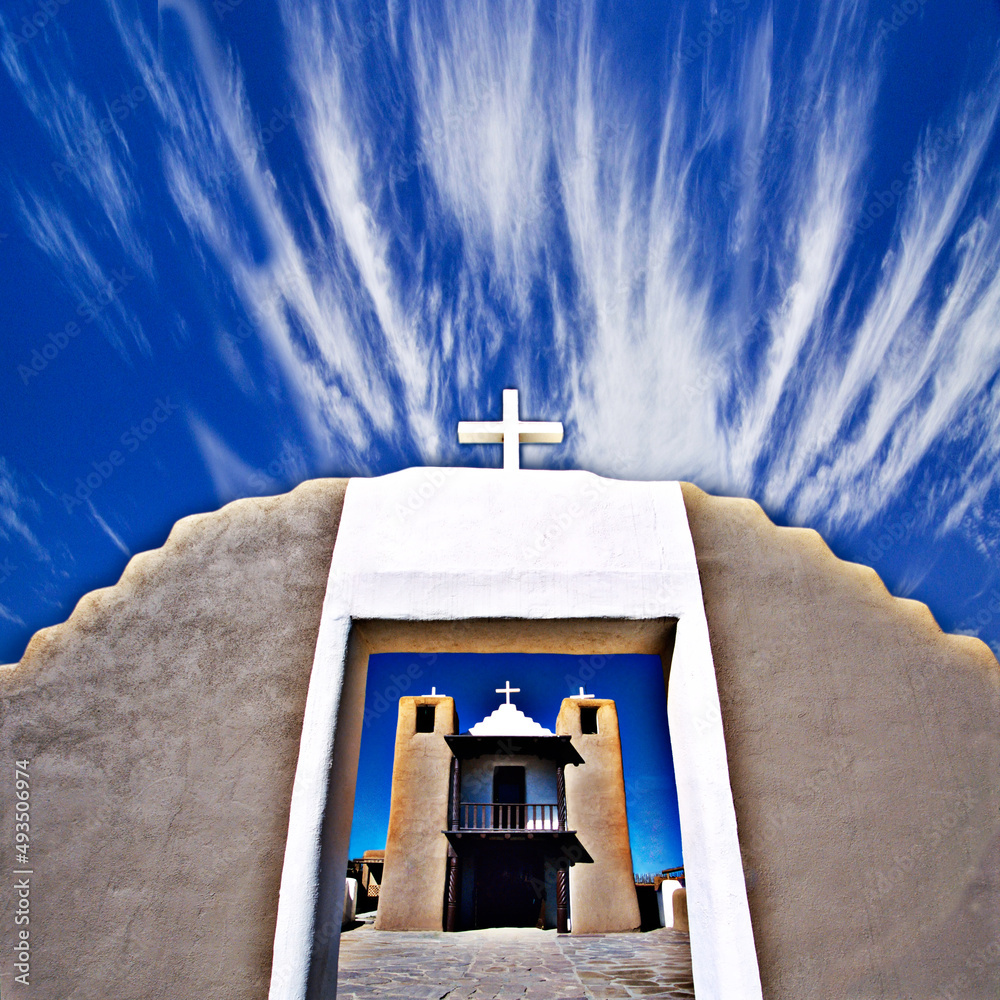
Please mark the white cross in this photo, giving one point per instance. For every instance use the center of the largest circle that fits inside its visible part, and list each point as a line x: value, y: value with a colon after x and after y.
x: 508, y: 690
x: 511, y: 431
x: 581, y: 695
x: 434, y: 691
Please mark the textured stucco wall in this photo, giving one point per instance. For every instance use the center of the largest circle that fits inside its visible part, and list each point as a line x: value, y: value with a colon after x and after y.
x: 163, y: 722
x: 864, y: 756
x: 602, y: 895
x: 411, y: 897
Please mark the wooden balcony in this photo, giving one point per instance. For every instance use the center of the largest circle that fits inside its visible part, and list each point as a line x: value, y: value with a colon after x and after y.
x: 474, y: 824
x: 475, y: 817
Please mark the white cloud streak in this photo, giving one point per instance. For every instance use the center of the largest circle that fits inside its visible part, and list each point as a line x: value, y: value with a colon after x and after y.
x: 115, y: 538
x: 658, y: 381
x: 89, y: 152
x: 231, y: 476
x: 726, y: 337
x: 15, y: 506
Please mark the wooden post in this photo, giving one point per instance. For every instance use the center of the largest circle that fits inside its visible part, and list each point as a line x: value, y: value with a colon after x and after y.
x: 562, y: 872
x: 562, y: 899
x: 451, y: 909
x: 456, y: 792
x: 451, y: 879
x: 561, y: 795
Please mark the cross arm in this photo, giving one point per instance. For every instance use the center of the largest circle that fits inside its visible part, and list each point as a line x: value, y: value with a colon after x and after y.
x: 540, y: 432
x: 479, y: 432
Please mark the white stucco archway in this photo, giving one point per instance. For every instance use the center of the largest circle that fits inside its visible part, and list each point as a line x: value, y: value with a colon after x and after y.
x: 479, y: 546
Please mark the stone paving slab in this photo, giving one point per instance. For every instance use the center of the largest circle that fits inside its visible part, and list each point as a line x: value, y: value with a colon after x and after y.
x: 513, y: 963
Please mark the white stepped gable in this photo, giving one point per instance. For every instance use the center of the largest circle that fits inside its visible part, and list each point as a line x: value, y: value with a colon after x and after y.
x: 508, y: 720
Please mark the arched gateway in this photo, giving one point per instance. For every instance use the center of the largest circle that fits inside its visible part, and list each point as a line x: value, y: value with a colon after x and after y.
x: 193, y: 733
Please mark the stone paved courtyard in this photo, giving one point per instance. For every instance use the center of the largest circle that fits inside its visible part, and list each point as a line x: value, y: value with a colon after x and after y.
x: 510, y: 963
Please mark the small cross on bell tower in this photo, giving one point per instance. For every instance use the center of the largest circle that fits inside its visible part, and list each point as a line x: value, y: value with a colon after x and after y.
x: 508, y: 690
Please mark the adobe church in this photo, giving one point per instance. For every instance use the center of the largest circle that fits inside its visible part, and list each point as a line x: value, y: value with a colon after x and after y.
x: 193, y: 735
x: 487, y: 828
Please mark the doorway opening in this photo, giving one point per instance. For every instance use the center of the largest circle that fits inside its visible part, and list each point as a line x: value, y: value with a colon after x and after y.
x: 508, y: 797
x: 508, y: 839
x: 422, y: 640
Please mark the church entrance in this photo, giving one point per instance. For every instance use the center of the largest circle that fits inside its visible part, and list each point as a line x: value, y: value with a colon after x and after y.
x: 510, y: 885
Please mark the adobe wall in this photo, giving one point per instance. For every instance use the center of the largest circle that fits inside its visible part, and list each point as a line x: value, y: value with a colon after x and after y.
x: 602, y: 895
x: 162, y: 721
x: 411, y: 897
x: 864, y: 755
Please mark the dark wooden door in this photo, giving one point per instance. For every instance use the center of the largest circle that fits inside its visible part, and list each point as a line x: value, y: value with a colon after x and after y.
x: 510, y: 880
x: 508, y: 798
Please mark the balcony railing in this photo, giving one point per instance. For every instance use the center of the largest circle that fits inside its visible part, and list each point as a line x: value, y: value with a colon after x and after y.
x: 508, y: 816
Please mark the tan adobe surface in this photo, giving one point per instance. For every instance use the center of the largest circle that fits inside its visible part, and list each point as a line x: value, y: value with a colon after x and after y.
x: 864, y: 755
x: 163, y: 720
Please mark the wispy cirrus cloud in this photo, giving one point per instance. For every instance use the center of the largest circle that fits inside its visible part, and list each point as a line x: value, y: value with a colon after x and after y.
x: 16, y: 507
x: 231, y: 476
x: 486, y: 129
x: 110, y: 533
x: 920, y: 357
x: 344, y: 355
x: 89, y: 155
x: 680, y: 275
x: 87, y: 144
x: 799, y: 385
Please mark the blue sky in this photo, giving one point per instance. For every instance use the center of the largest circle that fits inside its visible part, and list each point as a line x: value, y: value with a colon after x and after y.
x: 634, y: 681
x: 245, y: 243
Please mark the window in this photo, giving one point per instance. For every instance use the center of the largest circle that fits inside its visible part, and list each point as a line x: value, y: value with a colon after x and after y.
x: 588, y: 720
x: 425, y: 718
x: 508, y: 784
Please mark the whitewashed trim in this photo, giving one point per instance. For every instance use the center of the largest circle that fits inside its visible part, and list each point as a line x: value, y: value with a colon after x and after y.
x: 446, y: 544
